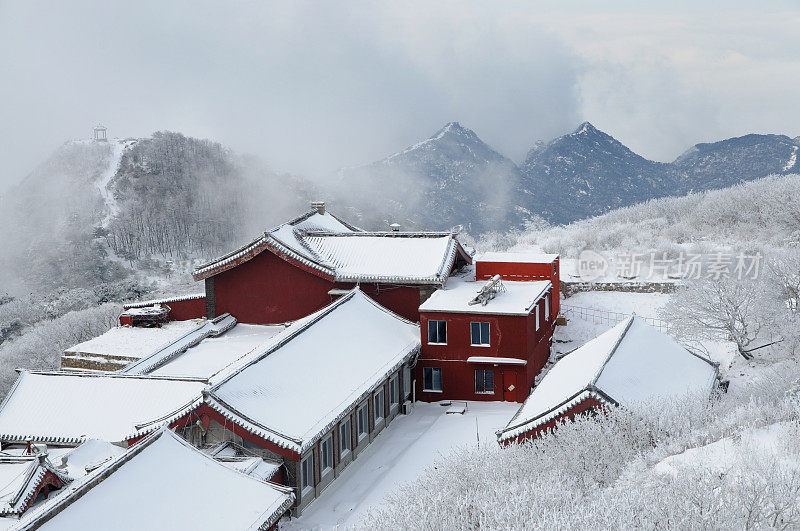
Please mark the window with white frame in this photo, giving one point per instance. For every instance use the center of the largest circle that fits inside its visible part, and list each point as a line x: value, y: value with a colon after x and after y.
x: 406, y: 381
x: 547, y: 308
x: 484, y: 381
x: 307, y: 472
x: 432, y: 379
x: 394, y: 391
x: 536, y: 312
x: 378, y: 404
x: 345, y: 437
x: 326, y: 455
x: 479, y: 333
x: 362, y: 421
x: 437, y: 332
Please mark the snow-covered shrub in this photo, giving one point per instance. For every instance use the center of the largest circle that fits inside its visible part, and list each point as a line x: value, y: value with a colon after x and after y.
x: 41, y: 346
x: 609, y: 473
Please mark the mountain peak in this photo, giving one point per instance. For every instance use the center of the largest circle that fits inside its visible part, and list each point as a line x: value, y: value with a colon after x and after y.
x: 585, y: 128
x: 456, y: 129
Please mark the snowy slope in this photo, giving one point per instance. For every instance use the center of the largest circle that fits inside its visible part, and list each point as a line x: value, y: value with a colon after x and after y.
x: 104, y: 183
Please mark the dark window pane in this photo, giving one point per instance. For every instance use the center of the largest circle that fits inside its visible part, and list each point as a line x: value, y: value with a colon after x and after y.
x: 442, y: 331
x: 432, y: 331
x: 484, y: 333
x: 475, y: 333
x: 437, y: 379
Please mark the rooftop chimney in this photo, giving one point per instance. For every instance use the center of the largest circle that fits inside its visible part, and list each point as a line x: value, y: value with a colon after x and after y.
x: 319, y: 206
x: 395, y: 227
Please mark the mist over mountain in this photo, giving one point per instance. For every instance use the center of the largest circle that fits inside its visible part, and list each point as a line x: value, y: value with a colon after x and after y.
x: 451, y: 178
x: 95, y: 211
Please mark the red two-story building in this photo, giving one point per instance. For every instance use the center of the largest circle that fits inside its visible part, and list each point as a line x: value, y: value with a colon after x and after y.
x: 488, y: 339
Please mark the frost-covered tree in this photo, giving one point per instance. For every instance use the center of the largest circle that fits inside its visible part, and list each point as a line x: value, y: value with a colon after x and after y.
x: 725, y: 308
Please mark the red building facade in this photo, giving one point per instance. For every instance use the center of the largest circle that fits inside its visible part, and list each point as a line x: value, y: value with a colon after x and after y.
x: 304, y: 264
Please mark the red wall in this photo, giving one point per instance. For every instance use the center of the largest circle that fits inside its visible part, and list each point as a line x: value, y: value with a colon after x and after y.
x: 187, y: 309
x: 509, y: 337
x: 574, y: 411
x: 524, y: 271
x: 268, y: 289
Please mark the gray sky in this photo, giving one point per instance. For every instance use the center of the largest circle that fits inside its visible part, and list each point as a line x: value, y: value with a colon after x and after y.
x: 312, y: 86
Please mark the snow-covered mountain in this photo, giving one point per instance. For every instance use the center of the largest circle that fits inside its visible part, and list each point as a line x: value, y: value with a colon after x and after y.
x: 588, y: 172
x: 451, y: 178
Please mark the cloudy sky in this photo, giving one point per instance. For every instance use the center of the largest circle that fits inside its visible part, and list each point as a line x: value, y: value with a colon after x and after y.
x: 312, y: 86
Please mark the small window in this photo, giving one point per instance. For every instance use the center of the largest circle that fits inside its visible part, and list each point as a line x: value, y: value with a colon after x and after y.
x: 480, y: 333
x: 406, y: 381
x: 536, y: 311
x: 432, y: 377
x: 484, y: 381
x: 547, y: 308
x: 362, y: 419
x: 437, y: 332
x: 307, y: 472
x: 394, y: 392
x: 378, y: 404
x: 345, y: 437
x: 326, y: 454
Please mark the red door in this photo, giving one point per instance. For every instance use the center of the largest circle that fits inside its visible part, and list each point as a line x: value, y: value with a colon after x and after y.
x: 509, y: 386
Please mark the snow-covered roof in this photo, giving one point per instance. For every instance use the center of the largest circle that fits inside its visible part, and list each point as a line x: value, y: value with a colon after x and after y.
x: 213, y: 354
x: 20, y: 479
x: 342, y: 351
x: 629, y: 365
x: 163, y: 483
x: 526, y: 257
x: 174, y: 349
x: 165, y: 300
x: 238, y: 458
x: 135, y: 342
x: 68, y: 408
x: 343, y: 253
x: 518, y: 298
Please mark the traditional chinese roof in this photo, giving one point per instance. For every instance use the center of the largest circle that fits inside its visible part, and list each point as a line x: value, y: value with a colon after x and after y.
x: 68, y: 408
x: 518, y: 298
x: 631, y: 365
x: 213, y: 354
x: 166, y: 353
x: 346, y: 349
x: 526, y: 257
x: 133, y: 342
x: 163, y: 483
x: 21, y: 478
x: 166, y: 300
x: 339, y: 252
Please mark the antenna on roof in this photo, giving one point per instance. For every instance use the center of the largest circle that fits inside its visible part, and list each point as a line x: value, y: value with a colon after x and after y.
x: 488, y: 292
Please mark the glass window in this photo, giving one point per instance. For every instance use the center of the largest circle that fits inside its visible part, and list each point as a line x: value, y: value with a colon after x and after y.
x: 326, y: 454
x: 484, y: 381
x: 394, y: 391
x: 536, y: 311
x: 345, y: 437
x: 432, y: 377
x: 406, y: 381
x: 378, y: 404
x: 437, y: 332
x: 307, y: 472
x: 479, y: 333
x: 362, y: 419
x: 547, y: 307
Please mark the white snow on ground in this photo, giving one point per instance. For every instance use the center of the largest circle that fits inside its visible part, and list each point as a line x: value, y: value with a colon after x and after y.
x: 777, y: 442
x: 399, y: 454
x: 103, y: 184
